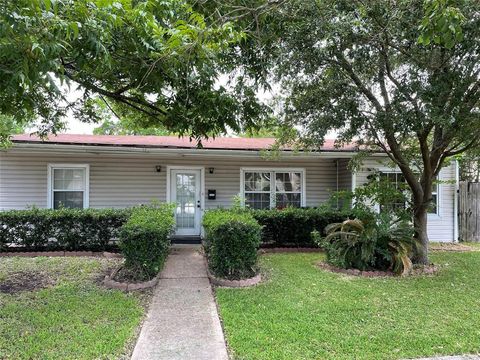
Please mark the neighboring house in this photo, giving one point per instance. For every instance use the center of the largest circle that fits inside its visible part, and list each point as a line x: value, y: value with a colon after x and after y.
x: 102, y: 171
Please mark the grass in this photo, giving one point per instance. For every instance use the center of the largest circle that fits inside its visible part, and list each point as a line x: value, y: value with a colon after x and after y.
x: 73, y: 317
x: 303, y: 312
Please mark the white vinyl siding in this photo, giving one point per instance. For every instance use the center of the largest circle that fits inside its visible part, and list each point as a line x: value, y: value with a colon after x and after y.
x: 127, y: 180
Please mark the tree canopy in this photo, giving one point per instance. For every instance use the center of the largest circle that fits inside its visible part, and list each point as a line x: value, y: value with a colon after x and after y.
x: 156, y: 62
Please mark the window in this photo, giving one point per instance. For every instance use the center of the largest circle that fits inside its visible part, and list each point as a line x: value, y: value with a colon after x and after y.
x: 433, y: 209
x: 399, y: 182
x: 68, y: 186
x: 274, y: 188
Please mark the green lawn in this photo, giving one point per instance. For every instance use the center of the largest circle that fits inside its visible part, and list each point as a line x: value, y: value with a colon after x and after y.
x: 73, y: 317
x: 303, y: 312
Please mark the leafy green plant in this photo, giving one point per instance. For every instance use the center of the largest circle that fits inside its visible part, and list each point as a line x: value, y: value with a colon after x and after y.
x: 144, y: 239
x: 231, y: 243
x: 349, y: 244
x: 384, y: 244
x: 169, y: 56
x: 395, y: 243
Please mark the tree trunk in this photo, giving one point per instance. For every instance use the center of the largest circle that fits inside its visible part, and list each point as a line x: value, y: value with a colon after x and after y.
x: 421, y: 235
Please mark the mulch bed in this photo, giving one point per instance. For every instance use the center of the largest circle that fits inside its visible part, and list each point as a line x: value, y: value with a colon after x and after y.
x: 423, y: 270
x: 25, y: 281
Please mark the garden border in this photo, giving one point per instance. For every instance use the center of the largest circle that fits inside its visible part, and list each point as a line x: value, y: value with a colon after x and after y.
x: 108, y: 282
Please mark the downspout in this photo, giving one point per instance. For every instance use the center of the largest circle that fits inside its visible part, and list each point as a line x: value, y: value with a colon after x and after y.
x: 354, y: 185
x: 336, y: 166
x: 455, y: 203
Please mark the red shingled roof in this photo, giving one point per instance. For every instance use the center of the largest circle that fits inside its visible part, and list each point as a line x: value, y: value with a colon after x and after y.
x: 219, y: 143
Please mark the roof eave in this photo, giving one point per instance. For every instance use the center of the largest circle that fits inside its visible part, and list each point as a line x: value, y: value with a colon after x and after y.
x: 145, y: 149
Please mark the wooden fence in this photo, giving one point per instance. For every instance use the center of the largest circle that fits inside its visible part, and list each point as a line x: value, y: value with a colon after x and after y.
x: 469, y: 211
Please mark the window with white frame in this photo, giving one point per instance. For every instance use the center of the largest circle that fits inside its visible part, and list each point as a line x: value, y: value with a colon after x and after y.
x: 399, y: 182
x: 68, y: 186
x: 276, y: 188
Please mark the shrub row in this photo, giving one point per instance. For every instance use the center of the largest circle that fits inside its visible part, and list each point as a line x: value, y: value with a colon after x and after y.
x: 231, y: 243
x: 145, y: 239
x: 294, y: 226
x: 63, y: 229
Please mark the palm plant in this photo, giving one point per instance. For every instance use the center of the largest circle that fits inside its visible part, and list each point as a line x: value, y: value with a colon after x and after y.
x: 395, y: 242
x: 349, y: 245
x: 386, y: 243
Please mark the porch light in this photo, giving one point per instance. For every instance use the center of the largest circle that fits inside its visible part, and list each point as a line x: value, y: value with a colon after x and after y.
x: 158, y: 168
x: 210, y: 170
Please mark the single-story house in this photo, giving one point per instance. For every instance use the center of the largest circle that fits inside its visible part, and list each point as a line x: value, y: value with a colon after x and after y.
x: 101, y: 171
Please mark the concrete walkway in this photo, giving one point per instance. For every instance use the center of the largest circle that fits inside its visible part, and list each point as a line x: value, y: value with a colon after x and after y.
x: 182, y: 322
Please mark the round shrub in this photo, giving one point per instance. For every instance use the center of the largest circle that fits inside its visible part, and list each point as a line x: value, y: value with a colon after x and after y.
x: 144, y: 239
x: 231, y: 243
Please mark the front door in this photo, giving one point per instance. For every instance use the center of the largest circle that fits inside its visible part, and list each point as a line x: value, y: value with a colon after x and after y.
x: 185, y: 190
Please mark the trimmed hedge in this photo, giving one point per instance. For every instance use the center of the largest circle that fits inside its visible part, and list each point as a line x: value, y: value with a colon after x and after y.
x: 231, y: 243
x: 63, y: 229
x: 292, y: 227
x: 144, y: 239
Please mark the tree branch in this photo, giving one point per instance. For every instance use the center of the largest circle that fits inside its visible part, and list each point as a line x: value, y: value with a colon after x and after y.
x: 346, y: 66
x: 132, y: 102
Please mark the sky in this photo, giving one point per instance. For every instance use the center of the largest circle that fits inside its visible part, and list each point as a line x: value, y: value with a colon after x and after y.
x: 76, y: 127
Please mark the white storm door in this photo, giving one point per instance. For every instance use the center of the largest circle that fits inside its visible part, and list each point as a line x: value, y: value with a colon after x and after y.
x: 186, y: 194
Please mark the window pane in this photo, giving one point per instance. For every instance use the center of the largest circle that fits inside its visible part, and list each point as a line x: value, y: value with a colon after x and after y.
x: 68, y: 179
x: 289, y: 199
x: 257, y: 200
x: 434, y: 204
x: 68, y: 199
x: 398, y: 182
x: 257, y: 181
x: 288, y: 182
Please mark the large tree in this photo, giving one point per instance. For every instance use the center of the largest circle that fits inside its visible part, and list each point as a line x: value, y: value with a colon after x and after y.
x: 401, y: 76
x: 156, y: 62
